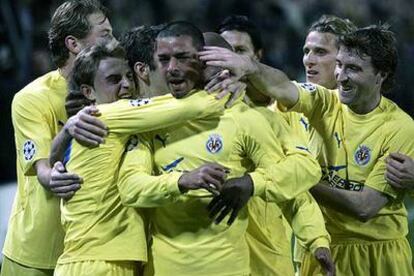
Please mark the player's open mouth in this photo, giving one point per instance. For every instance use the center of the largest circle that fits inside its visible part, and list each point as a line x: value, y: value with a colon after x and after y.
x: 346, y: 89
x: 176, y: 83
x: 124, y: 96
x: 311, y: 73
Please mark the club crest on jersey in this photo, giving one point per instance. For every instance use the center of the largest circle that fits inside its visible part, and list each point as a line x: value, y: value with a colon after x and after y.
x: 214, y: 143
x: 139, y: 102
x: 308, y: 87
x: 29, y: 150
x: 362, y: 155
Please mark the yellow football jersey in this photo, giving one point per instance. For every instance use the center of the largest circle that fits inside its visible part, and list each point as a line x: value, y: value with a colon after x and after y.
x: 269, y: 246
x: 356, y: 148
x: 35, y: 236
x: 97, y: 225
x: 185, y: 239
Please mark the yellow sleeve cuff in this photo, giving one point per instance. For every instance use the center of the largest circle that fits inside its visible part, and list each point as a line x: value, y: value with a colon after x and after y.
x: 172, y: 183
x: 259, y: 184
x: 319, y: 242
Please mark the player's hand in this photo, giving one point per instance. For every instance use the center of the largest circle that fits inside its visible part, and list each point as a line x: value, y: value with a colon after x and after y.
x: 323, y: 255
x: 74, y: 104
x: 223, y: 83
x: 234, y: 195
x: 86, y: 128
x: 400, y: 171
x: 62, y: 183
x: 239, y: 65
x: 210, y: 176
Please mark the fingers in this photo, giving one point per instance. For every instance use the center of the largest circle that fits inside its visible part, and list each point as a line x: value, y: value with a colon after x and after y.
x: 394, y: 180
x: 234, y: 214
x: 214, y: 207
x: 227, y: 209
x: 65, y: 196
x: 398, y: 156
x: 392, y: 163
x: 237, y: 90
x: 58, y: 166
x: 87, y: 138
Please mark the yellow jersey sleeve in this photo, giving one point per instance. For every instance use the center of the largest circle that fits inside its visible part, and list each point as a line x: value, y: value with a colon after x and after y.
x: 142, y: 115
x: 137, y: 186
x: 399, y: 140
x: 278, y: 176
x: 314, y: 101
x: 33, y: 134
x: 306, y: 220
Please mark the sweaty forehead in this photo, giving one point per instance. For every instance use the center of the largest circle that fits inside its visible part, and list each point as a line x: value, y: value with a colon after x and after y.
x: 347, y: 55
x: 111, y: 66
x: 99, y: 20
x: 321, y: 40
x: 175, y: 44
x: 237, y: 38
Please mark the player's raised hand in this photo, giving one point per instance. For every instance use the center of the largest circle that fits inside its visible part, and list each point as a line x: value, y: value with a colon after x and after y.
x: 234, y: 195
x: 86, y: 128
x: 239, y: 65
x: 323, y: 255
x: 400, y: 171
x: 62, y: 183
x: 210, y: 176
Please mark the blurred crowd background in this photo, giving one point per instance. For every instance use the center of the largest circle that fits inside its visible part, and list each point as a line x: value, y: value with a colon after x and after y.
x: 24, y: 53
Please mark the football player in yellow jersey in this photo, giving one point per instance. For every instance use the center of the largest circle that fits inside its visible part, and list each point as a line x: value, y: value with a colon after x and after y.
x: 35, y: 239
x: 102, y: 237
x: 176, y: 53
x: 365, y: 215
x: 245, y: 38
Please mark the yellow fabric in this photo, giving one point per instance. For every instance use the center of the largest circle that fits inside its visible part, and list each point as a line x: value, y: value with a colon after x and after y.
x: 357, y: 145
x: 11, y: 268
x: 382, y: 258
x: 35, y: 236
x: 98, y: 268
x: 97, y: 225
x: 184, y: 238
x: 270, y: 240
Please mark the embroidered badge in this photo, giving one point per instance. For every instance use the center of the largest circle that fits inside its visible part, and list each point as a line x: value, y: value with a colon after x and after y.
x: 362, y: 155
x: 139, y: 102
x: 308, y: 87
x: 214, y: 143
x: 29, y: 150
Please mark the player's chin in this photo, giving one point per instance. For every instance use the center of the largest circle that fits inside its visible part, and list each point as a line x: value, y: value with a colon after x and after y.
x: 181, y: 93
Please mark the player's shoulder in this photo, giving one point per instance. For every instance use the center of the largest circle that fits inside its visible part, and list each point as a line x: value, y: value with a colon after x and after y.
x: 40, y: 89
x: 396, y: 119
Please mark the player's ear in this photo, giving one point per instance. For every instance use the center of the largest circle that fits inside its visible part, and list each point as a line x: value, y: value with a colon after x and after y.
x: 259, y: 54
x: 73, y: 44
x: 141, y: 71
x: 88, y: 92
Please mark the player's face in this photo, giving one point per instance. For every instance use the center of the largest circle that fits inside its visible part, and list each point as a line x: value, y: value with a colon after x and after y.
x: 179, y: 64
x: 101, y: 31
x: 113, y: 81
x: 319, y: 54
x: 158, y: 86
x: 241, y: 43
x: 359, y: 84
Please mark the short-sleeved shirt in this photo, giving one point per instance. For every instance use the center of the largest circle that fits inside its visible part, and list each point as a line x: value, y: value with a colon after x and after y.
x: 356, y: 148
x: 35, y: 236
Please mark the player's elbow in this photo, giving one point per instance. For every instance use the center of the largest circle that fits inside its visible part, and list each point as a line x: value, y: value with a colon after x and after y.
x: 367, y: 213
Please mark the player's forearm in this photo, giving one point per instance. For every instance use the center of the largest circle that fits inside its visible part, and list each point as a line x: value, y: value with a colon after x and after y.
x: 363, y: 205
x: 307, y: 222
x: 275, y: 84
x: 43, y: 171
x: 59, y: 146
x: 293, y: 175
x: 141, y: 190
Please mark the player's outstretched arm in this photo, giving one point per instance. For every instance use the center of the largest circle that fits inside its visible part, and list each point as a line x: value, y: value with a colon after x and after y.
x: 266, y: 79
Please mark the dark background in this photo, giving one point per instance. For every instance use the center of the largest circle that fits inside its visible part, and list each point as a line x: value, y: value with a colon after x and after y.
x: 24, y: 53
